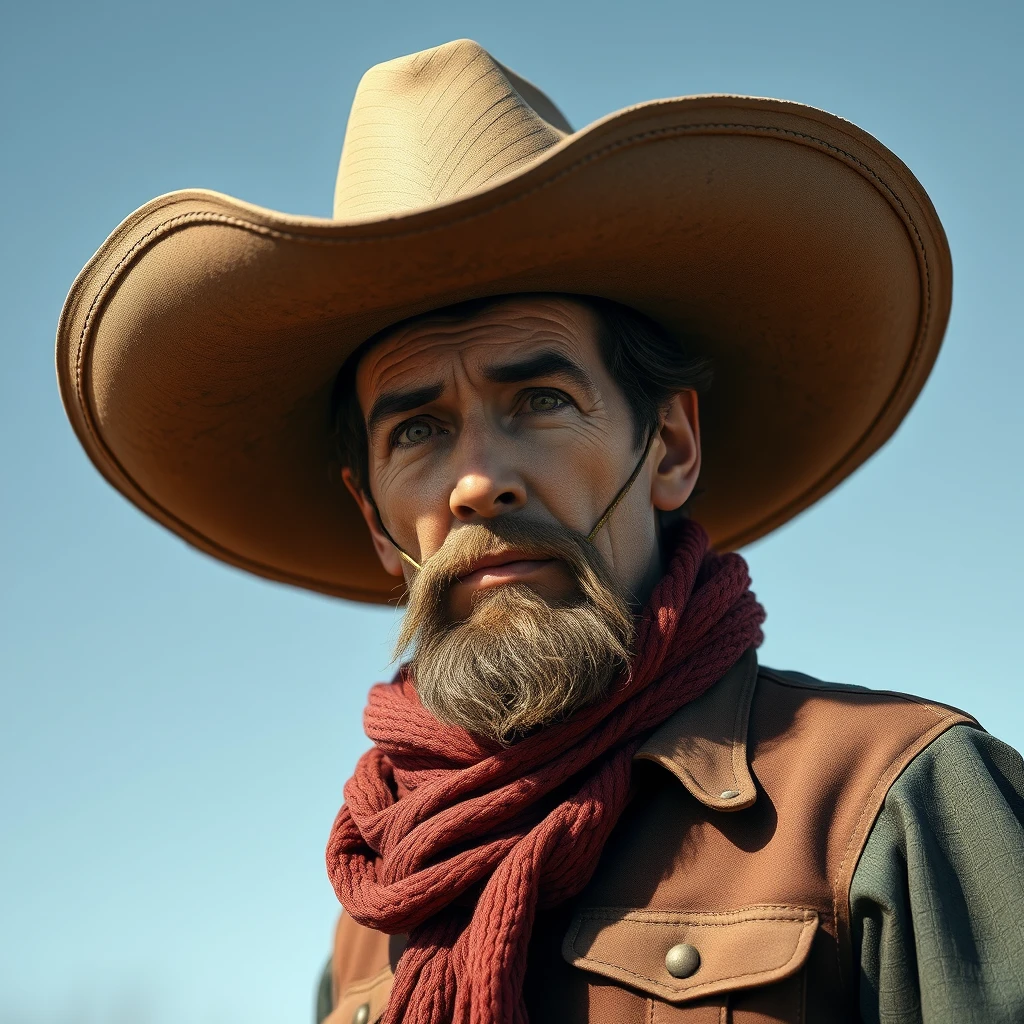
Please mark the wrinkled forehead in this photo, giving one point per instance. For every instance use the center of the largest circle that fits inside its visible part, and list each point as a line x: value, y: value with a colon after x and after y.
x: 425, y: 350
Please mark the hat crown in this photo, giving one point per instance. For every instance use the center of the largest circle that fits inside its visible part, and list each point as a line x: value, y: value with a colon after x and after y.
x: 436, y: 125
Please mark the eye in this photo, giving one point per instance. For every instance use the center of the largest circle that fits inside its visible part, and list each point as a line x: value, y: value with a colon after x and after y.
x: 545, y: 401
x: 412, y: 432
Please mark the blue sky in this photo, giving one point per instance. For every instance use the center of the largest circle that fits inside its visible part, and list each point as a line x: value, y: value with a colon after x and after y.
x: 175, y: 735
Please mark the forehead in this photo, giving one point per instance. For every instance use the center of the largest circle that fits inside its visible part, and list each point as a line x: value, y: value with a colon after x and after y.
x: 424, y: 351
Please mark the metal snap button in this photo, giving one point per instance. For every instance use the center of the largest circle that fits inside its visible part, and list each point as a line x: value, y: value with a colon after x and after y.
x: 730, y: 794
x: 682, y: 960
x: 362, y: 1015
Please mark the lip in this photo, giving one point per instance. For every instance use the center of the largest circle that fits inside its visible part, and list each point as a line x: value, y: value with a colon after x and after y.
x: 505, y: 567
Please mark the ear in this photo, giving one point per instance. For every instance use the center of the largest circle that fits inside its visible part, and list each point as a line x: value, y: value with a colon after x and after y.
x: 678, y: 448
x: 389, y: 557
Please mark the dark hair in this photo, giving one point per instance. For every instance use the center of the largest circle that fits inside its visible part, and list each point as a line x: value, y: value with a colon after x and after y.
x: 649, y: 365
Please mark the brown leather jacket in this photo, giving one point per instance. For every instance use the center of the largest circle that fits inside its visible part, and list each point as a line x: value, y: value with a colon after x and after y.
x: 750, y: 810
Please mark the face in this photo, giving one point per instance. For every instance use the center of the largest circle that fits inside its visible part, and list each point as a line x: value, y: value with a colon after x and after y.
x: 509, y: 418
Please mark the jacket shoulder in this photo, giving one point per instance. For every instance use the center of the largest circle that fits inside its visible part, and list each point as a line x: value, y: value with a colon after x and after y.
x: 854, y: 696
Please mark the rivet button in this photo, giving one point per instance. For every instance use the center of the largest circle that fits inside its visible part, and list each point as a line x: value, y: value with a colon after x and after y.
x: 682, y: 960
x: 729, y: 794
x: 362, y: 1015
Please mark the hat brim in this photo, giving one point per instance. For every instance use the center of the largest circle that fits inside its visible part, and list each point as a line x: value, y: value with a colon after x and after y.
x: 197, y: 350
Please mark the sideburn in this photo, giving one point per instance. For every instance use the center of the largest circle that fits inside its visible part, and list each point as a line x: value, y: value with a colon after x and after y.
x: 518, y: 661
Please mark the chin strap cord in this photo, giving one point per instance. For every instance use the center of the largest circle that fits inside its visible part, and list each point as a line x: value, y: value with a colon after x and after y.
x: 623, y: 490
x: 605, y: 516
x: 394, y: 543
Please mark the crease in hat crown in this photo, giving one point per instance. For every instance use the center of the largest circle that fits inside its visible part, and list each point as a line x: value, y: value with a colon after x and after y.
x: 437, y: 125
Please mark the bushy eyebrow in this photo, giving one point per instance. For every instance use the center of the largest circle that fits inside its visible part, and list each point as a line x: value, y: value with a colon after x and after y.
x: 543, y: 364
x: 394, y: 402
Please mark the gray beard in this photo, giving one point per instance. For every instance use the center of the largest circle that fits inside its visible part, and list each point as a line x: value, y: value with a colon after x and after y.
x: 519, y: 661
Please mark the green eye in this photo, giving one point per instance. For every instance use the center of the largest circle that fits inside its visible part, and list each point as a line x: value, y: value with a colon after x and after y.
x: 545, y: 401
x: 413, y: 433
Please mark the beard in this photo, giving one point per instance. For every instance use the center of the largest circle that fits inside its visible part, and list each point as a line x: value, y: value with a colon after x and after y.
x: 519, y: 660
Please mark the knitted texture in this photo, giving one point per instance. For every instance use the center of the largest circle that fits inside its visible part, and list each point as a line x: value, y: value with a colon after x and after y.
x: 458, y: 842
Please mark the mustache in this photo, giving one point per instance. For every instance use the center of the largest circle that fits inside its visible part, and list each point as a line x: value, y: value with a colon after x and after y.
x: 528, y: 538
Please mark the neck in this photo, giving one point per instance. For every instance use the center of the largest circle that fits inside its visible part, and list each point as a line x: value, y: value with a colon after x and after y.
x: 649, y: 578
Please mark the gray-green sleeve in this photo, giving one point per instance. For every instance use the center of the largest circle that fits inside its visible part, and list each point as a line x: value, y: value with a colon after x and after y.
x: 937, y: 900
x: 324, y: 994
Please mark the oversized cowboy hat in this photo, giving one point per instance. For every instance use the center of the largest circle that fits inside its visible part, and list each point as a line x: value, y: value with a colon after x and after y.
x: 197, y: 350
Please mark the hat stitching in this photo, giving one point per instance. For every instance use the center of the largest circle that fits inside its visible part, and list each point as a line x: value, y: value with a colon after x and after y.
x: 200, y: 216
x: 211, y: 216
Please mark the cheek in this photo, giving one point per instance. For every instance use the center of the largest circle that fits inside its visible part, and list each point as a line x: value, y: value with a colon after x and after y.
x: 414, y: 503
x: 578, y: 477
x: 571, y: 473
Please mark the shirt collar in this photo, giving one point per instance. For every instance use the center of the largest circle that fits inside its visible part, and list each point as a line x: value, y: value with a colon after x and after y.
x: 704, y: 744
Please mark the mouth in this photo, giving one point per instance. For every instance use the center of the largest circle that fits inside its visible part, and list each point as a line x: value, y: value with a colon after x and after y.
x: 504, y: 567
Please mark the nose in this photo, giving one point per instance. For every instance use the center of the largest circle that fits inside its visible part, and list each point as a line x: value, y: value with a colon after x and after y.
x: 487, y: 486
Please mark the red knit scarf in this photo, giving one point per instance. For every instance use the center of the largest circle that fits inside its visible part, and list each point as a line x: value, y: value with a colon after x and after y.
x: 458, y: 843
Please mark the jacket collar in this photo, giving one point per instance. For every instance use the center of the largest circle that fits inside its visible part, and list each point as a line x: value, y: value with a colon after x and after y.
x: 704, y: 744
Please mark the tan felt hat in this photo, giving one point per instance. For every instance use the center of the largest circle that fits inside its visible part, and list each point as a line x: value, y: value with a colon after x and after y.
x: 197, y: 350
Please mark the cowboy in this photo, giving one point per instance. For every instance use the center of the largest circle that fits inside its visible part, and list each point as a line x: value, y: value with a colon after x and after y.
x: 484, y: 386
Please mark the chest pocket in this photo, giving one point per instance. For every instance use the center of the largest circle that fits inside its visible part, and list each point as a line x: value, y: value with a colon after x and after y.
x: 748, y: 961
x: 363, y: 1002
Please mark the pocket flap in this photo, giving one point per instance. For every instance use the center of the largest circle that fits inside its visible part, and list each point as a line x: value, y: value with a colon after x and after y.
x: 739, y: 949
x: 363, y: 1002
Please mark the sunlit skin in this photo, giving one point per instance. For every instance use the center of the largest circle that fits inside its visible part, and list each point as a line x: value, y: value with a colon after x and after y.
x: 456, y: 440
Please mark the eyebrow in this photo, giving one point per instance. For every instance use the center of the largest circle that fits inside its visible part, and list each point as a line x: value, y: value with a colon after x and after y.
x: 393, y: 402
x: 543, y: 364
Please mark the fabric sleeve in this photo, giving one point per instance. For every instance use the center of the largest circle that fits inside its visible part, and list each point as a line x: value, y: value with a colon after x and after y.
x: 937, y: 900
x: 324, y: 995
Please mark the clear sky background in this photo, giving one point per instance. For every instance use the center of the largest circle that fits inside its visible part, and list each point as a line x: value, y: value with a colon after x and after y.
x: 174, y: 735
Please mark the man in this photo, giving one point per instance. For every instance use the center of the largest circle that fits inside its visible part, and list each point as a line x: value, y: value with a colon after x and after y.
x: 585, y: 800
